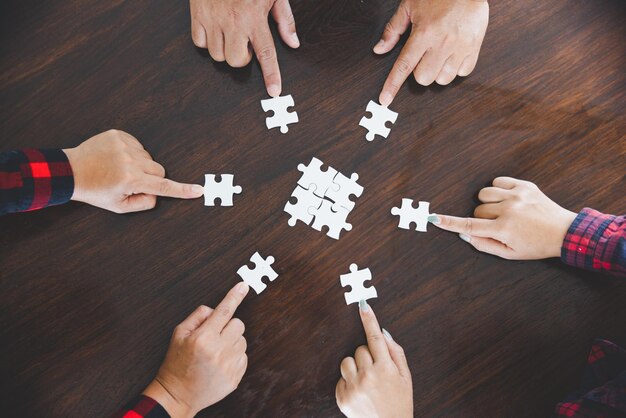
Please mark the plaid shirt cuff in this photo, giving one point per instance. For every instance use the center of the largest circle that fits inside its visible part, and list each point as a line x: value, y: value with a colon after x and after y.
x: 142, y: 407
x: 32, y: 179
x: 596, y: 242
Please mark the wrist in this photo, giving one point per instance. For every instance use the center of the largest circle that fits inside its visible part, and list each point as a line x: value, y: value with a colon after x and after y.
x: 564, y: 222
x: 175, y: 407
x: 70, y: 153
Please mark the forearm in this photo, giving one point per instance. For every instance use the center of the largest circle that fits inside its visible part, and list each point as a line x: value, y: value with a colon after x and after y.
x: 596, y: 242
x: 32, y: 179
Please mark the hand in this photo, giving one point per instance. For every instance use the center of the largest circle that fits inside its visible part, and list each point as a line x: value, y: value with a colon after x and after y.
x: 516, y: 221
x: 445, y: 40
x: 376, y: 382
x: 227, y: 27
x: 206, y: 359
x: 113, y: 171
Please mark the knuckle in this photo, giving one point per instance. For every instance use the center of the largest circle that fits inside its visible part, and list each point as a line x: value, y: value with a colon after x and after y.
x: 224, y: 311
x: 403, y: 66
x: 389, y: 28
x: 164, y: 186
x: 239, y: 325
x: 469, y: 225
x: 423, y: 79
x: 267, y: 53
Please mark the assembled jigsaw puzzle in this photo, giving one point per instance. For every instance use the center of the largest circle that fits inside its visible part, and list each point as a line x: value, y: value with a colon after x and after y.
x: 409, y: 214
x: 281, y: 118
x: 376, y: 125
x: 323, y: 196
x: 254, y: 277
x: 222, y: 190
x: 355, y: 279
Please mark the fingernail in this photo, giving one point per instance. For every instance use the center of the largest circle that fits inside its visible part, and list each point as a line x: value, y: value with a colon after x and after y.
x: 386, y: 334
x: 294, y: 36
x: 379, y: 44
x: 464, y: 237
x: 273, y: 90
x: 385, y: 99
x: 197, y: 190
x: 242, y: 287
x: 363, y: 306
x: 434, y: 219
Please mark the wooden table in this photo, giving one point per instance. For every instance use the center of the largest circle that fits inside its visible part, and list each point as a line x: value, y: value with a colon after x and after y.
x: 88, y: 299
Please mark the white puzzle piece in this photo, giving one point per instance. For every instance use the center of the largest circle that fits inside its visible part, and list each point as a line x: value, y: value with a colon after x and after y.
x: 376, y: 124
x: 335, y: 221
x: 263, y: 268
x: 408, y: 214
x: 355, y: 279
x: 281, y: 117
x: 347, y: 187
x: 314, y: 177
x: 222, y: 190
x: 300, y: 210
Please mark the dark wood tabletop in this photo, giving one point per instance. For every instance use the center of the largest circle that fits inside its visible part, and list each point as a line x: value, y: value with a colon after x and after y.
x: 88, y: 298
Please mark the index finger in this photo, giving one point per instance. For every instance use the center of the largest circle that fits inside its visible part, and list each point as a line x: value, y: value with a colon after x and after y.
x: 375, y: 339
x: 263, y: 45
x: 485, y: 228
x: 160, y: 186
x: 408, y: 59
x: 224, y: 312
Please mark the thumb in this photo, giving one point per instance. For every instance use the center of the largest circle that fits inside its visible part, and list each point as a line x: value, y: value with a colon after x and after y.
x: 397, y: 354
x: 396, y: 26
x: 281, y: 12
x: 489, y: 246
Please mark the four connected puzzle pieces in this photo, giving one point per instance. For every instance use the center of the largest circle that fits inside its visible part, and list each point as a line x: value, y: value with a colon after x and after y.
x: 254, y: 277
x: 323, y: 196
x: 376, y: 125
x: 281, y: 117
x: 356, y: 279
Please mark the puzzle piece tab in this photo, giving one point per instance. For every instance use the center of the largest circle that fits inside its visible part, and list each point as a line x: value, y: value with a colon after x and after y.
x: 314, y: 177
x: 254, y: 277
x: 376, y: 124
x: 408, y: 214
x: 300, y: 210
x: 347, y: 187
x: 355, y: 279
x: 281, y: 116
x: 335, y: 221
x: 222, y: 190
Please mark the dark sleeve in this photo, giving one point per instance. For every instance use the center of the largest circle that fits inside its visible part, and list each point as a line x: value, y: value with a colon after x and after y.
x: 142, y: 407
x: 602, y: 393
x: 596, y: 242
x: 32, y: 179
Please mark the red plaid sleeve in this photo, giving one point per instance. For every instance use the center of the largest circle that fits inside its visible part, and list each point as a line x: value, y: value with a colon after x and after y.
x: 142, y: 407
x: 603, y: 390
x: 596, y: 242
x: 32, y: 179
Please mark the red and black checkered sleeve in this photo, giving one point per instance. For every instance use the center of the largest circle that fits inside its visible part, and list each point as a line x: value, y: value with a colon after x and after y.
x: 32, y: 179
x: 142, y: 407
x: 596, y: 242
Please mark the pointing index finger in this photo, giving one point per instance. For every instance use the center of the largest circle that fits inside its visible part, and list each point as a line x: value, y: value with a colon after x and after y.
x: 403, y: 67
x: 375, y: 339
x: 224, y: 312
x: 265, y: 51
x: 160, y: 186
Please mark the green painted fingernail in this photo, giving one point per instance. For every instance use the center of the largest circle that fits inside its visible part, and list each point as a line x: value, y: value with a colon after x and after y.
x: 434, y: 219
x: 363, y: 306
x: 386, y: 334
x: 464, y: 237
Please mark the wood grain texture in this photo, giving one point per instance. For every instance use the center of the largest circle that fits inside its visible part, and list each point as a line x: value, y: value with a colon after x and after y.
x: 88, y: 299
